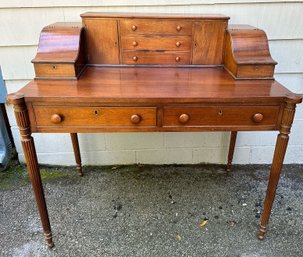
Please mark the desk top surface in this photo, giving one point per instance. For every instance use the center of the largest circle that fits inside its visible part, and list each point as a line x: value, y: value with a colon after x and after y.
x: 156, y: 84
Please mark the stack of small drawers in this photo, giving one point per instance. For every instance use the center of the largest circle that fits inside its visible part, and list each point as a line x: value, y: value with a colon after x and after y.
x: 154, y: 42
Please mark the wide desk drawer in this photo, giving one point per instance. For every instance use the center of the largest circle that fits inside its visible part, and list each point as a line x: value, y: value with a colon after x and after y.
x: 63, y: 116
x: 221, y: 116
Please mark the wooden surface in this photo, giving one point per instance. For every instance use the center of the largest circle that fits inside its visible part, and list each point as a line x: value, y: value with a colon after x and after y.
x: 146, y: 84
x: 154, y: 15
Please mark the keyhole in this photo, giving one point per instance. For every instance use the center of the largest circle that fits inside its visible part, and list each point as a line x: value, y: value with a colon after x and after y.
x: 96, y: 113
x: 220, y: 112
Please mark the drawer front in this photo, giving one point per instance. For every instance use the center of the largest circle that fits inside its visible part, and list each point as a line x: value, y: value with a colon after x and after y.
x: 94, y: 116
x: 181, y: 43
x: 145, y: 26
x: 221, y: 116
x: 137, y: 57
x: 54, y: 70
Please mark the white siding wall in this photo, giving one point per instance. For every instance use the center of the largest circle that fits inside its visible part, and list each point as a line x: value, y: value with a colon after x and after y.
x: 22, y: 21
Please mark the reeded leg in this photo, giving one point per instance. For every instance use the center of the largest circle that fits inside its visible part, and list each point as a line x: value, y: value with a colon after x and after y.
x: 75, y: 142
x: 28, y: 145
x: 233, y: 138
x: 281, y: 146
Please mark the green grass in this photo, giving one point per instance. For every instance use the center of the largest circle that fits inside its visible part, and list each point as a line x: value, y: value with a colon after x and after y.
x: 14, y: 177
x: 17, y: 176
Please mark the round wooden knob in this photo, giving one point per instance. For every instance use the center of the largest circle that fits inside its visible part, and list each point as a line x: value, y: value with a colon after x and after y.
x: 134, y: 27
x: 178, y: 28
x: 184, y: 118
x: 135, y: 119
x: 56, y: 118
x: 178, y: 59
x: 135, y: 58
x: 258, y: 117
x: 178, y: 44
x: 135, y: 43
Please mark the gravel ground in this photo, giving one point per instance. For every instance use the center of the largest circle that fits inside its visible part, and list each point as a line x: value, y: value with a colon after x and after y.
x: 190, y: 210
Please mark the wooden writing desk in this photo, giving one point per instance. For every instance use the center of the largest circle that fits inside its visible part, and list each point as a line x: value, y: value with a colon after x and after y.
x: 152, y: 73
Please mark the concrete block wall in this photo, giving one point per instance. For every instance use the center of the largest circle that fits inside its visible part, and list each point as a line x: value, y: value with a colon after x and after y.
x: 282, y: 21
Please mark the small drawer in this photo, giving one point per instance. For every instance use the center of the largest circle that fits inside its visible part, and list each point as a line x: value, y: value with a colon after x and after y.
x: 137, y: 57
x: 50, y: 70
x: 221, y: 116
x: 181, y: 43
x: 94, y: 116
x: 145, y: 26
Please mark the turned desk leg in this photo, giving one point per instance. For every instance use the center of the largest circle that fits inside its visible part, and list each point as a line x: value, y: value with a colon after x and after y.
x: 28, y: 145
x: 75, y: 142
x: 280, y: 149
x: 232, y: 144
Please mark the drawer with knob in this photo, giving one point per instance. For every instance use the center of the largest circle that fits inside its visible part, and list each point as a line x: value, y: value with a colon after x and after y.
x: 181, y: 43
x: 145, y: 26
x: 53, y: 70
x: 94, y: 116
x: 141, y: 57
x: 221, y: 116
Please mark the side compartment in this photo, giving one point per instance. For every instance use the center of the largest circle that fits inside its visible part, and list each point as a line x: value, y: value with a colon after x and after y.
x: 247, y: 53
x: 102, y: 40
x: 61, y: 52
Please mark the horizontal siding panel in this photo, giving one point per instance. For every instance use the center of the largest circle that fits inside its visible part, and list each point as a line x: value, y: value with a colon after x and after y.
x: 293, y: 82
x: 16, y: 61
x: 288, y: 54
x: 75, y: 3
x: 278, y: 24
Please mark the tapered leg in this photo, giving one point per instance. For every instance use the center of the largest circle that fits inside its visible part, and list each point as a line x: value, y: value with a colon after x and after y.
x: 27, y: 141
x: 281, y: 146
x: 75, y: 142
x: 233, y: 138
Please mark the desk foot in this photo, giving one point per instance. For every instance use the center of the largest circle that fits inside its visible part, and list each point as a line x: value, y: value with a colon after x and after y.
x: 232, y: 144
x: 49, y: 239
x: 76, y: 148
x: 261, y: 233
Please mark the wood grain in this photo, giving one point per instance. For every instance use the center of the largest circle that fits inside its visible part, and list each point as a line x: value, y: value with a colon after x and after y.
x: 221, y: 116
x: 247, y: 53
x: 208, y: 42
x: 152, y: 43
x: 94, y: 116
x: 278, y: 158
x: 61, y: 51
x: 76, y: 148
x: 155, y: 57
x: 155, y: 26
x: 188, y: 16
x: 29, y: 150
x: 154, y: 85
x: 102, y: 41
x: 231, y: 150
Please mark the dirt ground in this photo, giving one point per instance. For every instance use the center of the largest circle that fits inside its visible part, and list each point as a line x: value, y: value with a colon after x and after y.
x: 144, y: 210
